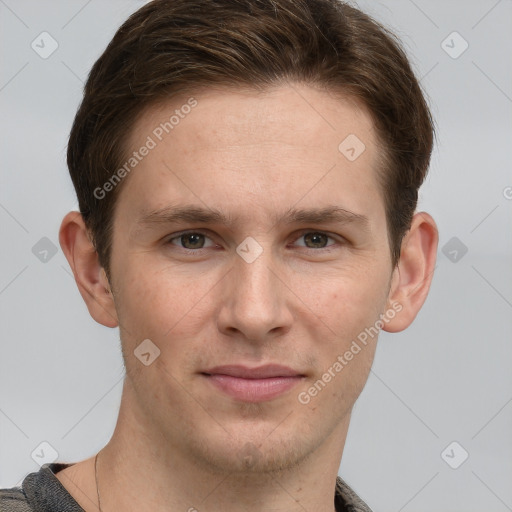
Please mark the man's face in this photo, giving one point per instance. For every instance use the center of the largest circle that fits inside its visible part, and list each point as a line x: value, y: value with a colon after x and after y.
x: 257, y: 288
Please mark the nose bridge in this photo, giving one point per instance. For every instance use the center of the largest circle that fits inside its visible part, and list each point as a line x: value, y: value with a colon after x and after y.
x: 255, y: 303
x: 255, y: 278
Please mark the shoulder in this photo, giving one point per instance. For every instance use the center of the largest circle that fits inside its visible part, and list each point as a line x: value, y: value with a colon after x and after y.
x: 14, y: 500
x: 348, y: 499
x: 40, y: 491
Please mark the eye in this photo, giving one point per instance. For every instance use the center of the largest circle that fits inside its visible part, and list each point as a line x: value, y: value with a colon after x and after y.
x: 190, y: 240
x: 196, y: 240
x: 315, y: 239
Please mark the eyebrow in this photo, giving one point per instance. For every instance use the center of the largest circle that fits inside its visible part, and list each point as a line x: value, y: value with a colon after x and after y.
x: 195, y: 214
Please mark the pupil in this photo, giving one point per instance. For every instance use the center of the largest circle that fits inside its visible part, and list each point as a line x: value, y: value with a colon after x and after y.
x: 316, y: 238
x: 192, y: 239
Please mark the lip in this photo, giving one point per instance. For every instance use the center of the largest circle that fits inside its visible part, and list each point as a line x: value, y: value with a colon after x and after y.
x: 253, y: 384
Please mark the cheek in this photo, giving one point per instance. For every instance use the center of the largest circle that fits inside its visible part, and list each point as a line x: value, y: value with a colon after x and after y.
x: 349, y: 310
x: 161, y: 303
x: 345, y: 301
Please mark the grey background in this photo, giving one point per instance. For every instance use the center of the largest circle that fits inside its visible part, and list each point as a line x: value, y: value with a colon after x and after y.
x: 446, y: 378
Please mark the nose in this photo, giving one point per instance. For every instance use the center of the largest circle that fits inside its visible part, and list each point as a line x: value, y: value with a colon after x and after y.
x: 256, y: 302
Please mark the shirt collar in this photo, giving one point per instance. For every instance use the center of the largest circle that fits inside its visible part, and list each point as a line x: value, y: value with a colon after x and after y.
x: 346, y: 500
x: 44, y: 490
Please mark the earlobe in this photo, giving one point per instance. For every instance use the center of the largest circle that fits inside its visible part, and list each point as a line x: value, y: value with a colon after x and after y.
x: 89, y: 275
x: 413, y: 275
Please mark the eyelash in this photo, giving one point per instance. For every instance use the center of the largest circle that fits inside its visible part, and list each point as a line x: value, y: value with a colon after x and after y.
x: 302, y: 233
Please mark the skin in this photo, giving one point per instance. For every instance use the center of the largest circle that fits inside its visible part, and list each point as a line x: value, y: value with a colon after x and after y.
x: 180, y: 443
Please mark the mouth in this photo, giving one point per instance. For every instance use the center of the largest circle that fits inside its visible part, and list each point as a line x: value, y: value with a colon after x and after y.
x: 253, y: 384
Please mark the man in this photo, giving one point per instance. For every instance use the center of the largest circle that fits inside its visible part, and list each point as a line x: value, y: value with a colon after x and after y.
x: 247, y: 176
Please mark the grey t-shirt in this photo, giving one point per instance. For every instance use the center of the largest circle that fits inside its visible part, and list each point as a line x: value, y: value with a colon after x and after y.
x: 39, y: 492
x: 42, y: 492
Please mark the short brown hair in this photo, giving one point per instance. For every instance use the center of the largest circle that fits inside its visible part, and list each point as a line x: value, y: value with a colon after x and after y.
x: 171, y: 46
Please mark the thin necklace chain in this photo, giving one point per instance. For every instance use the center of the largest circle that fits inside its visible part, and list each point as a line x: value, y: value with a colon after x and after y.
x: 96, y: 478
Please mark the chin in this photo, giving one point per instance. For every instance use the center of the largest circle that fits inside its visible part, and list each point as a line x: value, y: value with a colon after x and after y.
x: 259, y: 456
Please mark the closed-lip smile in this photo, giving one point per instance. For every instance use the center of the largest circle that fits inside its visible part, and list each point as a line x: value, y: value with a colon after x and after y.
x: 257, y: 384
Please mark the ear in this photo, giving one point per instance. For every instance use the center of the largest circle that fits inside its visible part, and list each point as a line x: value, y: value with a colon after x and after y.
x: 90, y: 276
x: 412, y: 276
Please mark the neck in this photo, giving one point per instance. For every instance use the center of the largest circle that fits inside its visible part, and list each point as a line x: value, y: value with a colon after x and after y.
x: 141, y: 469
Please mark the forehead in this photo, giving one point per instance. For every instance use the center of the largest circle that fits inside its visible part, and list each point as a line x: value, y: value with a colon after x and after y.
x: 246, y: 150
